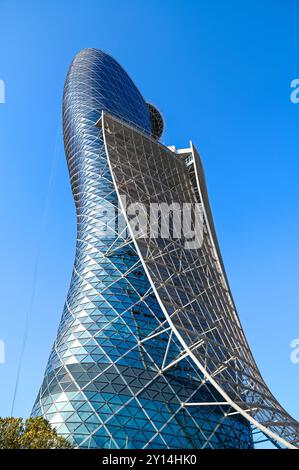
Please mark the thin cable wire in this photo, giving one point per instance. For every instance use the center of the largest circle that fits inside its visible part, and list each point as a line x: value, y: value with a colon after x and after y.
x: 45, y: 211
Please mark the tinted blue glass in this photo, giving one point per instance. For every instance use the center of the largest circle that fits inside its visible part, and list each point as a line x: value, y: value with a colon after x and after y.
x: 101, y: 389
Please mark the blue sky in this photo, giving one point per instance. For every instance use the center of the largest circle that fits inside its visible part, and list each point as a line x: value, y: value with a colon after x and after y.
x: 220, y: 72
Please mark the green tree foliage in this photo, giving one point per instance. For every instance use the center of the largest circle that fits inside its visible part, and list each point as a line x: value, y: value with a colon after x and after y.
x: 35, y: 433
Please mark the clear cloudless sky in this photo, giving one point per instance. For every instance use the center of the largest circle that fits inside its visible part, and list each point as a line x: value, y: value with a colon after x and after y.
x: 220, y: 72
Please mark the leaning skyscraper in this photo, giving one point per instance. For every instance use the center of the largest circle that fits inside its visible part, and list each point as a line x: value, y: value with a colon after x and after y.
x: 150, y: 352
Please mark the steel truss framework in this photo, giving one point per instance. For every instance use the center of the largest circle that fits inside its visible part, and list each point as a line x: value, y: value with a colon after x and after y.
x: 107, y: 383
x: 201, y: 326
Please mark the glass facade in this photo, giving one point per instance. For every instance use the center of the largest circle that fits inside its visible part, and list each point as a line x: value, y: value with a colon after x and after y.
x: 105, y: 385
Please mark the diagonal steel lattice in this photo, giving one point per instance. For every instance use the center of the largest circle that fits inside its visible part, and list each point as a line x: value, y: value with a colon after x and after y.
x: 191, y: 285
x: 149, y: 351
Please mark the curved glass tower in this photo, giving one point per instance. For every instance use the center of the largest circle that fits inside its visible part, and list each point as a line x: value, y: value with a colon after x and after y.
x: 149, y: 352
